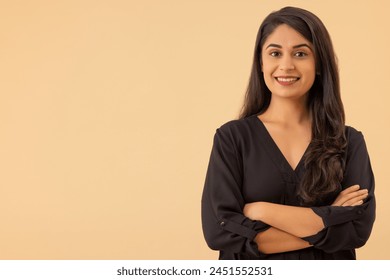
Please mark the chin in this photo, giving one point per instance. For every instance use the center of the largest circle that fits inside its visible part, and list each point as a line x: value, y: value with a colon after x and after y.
x: 289, y: 94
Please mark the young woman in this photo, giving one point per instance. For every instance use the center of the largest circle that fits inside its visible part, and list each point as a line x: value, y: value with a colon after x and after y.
x: 288, y: 179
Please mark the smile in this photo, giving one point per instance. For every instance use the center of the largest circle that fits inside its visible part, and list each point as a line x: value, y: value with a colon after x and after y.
x: 285, y: 81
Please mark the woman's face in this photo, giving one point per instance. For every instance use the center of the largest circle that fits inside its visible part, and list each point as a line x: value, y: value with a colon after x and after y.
x: 288, y: 63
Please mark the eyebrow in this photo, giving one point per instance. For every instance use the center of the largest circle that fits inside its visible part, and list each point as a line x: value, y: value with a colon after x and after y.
x: 294, y: 47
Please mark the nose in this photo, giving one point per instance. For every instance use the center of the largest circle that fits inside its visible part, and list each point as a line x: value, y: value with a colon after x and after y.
x: 286, y: 63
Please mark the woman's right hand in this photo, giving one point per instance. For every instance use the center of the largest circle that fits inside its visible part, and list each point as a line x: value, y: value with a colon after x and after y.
x: 351, y: 196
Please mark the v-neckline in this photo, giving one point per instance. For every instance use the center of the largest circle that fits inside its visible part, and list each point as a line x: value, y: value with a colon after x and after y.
x: 281, y: 159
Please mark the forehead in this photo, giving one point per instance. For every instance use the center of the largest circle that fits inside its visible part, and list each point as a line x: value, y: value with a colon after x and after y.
x: 285, y: 36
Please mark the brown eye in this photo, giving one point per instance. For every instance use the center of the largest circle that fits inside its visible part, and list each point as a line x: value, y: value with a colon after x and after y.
x: 300, y: 54
x: 275, y: 54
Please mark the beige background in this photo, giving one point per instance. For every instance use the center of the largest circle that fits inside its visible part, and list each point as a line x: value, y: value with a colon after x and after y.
x: 108, y: 110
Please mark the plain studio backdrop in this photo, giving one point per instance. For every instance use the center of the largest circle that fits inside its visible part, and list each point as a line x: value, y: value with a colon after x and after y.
x: 108, y: 111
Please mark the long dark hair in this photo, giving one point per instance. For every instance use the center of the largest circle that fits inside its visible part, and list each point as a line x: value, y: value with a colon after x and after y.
x: 324, y: 158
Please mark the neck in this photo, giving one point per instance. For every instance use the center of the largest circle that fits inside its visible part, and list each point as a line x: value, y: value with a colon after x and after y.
x: 287, y: 111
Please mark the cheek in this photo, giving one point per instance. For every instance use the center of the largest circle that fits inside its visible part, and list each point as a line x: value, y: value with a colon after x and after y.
x: 310, y: 73
x: 311, y: 76
x: 267, y: 73
x: 268, y: 69
x: 266, y: 63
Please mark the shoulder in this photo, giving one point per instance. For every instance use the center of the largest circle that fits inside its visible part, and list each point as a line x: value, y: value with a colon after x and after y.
x: 238, y: 124
x: 353, y: 135
x: 355, y: 141
x: 237, y: 128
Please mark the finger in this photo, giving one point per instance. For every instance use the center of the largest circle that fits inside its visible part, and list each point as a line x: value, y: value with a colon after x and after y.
x: 350, y: 189
x: 348, y: 194
x: 360, y: 202
x: 346, y: 197
x: 361, y: 193
x: 354, y: 200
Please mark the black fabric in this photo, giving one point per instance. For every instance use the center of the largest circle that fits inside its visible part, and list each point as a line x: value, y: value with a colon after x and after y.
x: 247, y: 166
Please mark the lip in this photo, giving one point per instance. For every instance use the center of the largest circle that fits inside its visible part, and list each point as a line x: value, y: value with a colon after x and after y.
x: 286, y: 80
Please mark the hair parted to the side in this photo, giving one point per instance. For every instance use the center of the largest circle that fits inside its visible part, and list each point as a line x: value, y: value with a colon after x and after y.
x: 324, y: 158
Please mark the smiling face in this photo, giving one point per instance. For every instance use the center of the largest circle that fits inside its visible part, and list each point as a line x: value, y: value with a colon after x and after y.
x: 288, y: 63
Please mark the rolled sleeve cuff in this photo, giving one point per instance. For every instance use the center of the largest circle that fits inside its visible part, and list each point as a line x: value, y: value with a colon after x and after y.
x: 334, y: 215
x: 242, y: 230
x: 249, y: 233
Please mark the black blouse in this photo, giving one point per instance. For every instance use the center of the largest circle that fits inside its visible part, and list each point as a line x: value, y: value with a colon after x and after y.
x: 247, y: 166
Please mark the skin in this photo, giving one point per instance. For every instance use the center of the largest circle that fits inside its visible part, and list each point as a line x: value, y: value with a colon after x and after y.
x: 280, y: 238
x: 289, y: 57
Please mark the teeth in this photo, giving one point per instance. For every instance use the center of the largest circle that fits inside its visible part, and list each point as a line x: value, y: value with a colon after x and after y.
x: 287, y: 80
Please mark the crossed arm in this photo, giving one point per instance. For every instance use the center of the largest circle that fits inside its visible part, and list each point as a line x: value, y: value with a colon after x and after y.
x: 290, y: 223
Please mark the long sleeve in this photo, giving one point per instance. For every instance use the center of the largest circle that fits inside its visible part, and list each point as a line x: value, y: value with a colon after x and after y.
x: 225, y: 227
x: 349, y: 227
